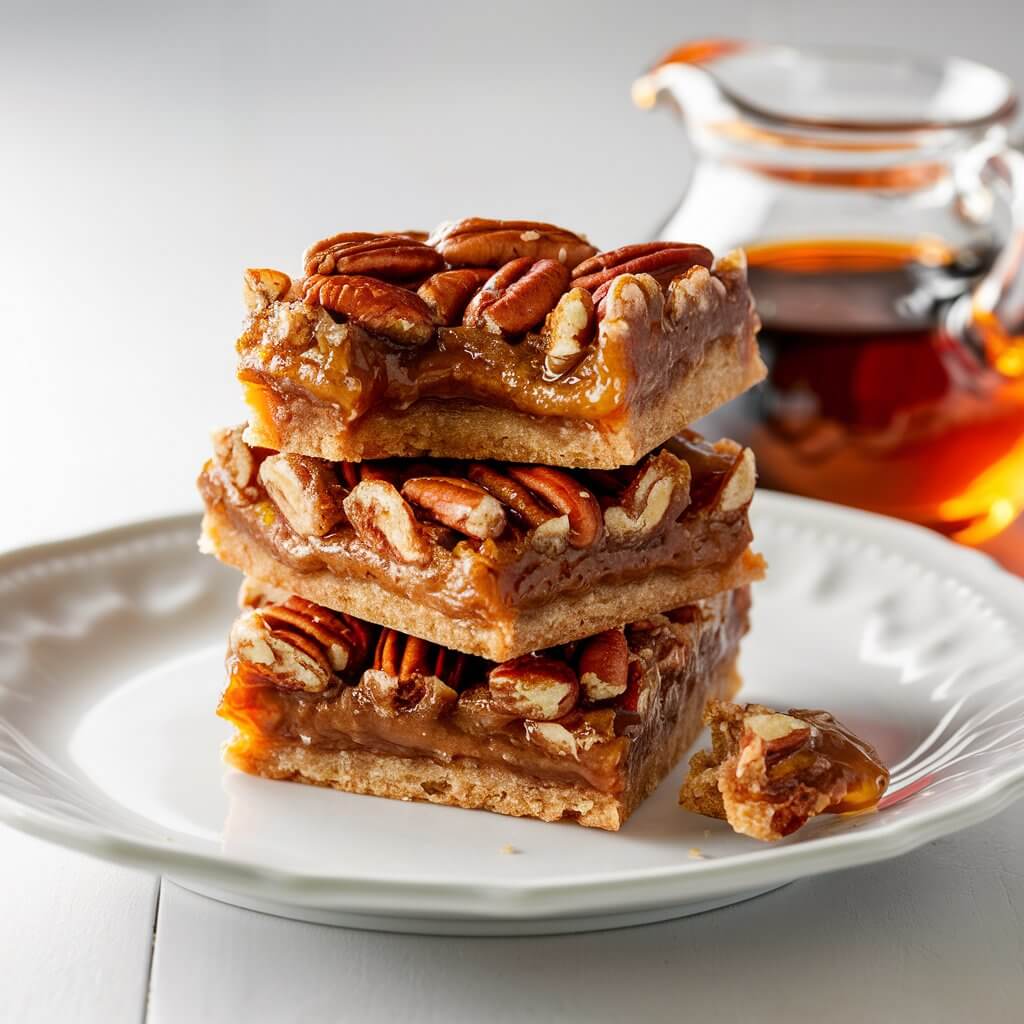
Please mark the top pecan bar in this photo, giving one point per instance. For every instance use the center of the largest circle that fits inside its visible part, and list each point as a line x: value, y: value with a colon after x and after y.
x: 511, y: 340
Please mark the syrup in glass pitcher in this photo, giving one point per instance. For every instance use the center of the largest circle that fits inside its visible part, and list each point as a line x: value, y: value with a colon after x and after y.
x: 882, y: 212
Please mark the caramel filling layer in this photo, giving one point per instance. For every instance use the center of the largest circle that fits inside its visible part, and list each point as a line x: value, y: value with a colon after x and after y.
x: 676, y: 662
x: 291, y: 350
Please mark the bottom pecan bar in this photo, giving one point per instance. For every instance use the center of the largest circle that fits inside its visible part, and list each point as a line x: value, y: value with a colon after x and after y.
x: 584, y: 731
x: 768, y: 773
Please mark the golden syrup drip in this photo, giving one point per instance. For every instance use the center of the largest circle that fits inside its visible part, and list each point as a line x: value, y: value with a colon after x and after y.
x: 264, y: 402
x: 852, y: 760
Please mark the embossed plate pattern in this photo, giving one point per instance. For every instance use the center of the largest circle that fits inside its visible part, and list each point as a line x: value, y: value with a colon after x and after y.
x: 110, y: 667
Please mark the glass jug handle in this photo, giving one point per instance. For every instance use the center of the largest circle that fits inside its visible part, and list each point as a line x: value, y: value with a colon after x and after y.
x: 996, y: 314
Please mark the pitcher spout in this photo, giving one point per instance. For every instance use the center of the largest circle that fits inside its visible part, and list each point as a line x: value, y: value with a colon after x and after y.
x: 682, y: 77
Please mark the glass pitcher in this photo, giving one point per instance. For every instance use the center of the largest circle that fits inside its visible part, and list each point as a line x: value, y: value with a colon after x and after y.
x: 882, y: 210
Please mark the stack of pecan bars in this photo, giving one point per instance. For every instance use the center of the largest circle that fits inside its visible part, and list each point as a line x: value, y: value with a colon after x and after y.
x: 486, y: 563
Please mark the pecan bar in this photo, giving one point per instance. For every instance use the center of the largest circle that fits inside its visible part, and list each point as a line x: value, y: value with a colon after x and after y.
x: 492, y: 559
x: 768, y: 773
x: 509, y: 340
x: 584, y: 731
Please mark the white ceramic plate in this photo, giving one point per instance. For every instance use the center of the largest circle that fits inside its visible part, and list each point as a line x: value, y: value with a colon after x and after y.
x: 111, y: 663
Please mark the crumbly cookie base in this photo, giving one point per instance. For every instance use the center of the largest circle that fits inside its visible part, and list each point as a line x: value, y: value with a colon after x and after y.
x: 476, y: 785
x: 462, y: 429
x: 568, y: 617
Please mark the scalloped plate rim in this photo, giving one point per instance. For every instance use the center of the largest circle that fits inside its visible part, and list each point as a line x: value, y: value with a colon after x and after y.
x: 596, y: 893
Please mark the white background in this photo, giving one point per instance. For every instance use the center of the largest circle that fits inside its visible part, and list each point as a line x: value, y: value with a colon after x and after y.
x: 149, y: 154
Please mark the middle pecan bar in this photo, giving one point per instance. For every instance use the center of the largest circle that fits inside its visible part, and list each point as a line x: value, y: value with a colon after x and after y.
x: 488, y: 558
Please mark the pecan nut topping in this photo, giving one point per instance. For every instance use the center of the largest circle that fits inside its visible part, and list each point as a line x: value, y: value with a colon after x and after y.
x: 403, y: 656
x: 406, y: 677
x: 604, y: 665
x: 570, y: 330
x: 510, y: 493
x: 738, y: 486
x: 535, y: 687
x: 395, y: 313
x: 423, y: 695
x: 567, y: 496
x: 518, y: 296
x: 662, y: 260
x: 305, y: 490
x: 234, y: 456
x: 723, y: 474
x: 280, y: 655
x: 390, y: 257
x: 642, y: 688
x: 384, y: 522
x: 448, y: 293
x: 659, y: 491
x: 553, y: 738
x: 480, y: 242
x: 343, y: 638
x: 261, y: 286
x: 459, y: 504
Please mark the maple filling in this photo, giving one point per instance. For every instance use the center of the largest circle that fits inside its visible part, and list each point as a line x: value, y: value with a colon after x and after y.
x: 291, y: 353
x: 676, y: 663
x: 491, y: 581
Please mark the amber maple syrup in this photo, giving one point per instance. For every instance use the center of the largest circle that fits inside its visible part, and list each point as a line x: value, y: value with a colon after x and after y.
x: 869, y: 400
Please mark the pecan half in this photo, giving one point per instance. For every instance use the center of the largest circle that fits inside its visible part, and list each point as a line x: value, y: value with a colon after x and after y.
x: 510, y: 493
x: 344, y: 639
x: 553, y: 738
x: 395, y: 313
x: 261, y: 286
x: 569, y: 331
x: 534, y: 687
x: 448, y: 293
x: 305, y: 490
x: 642, y: 688
x: 390, y: 257
x: 659, y: 492
x: 279, y: 655
x: 518, y: 296
x: 662, y: 260
x: 422, y: 695
x: 404, y: 677
x: 604, y: 665
x: 457, y: 503
x: 479, y: 242
x: 406, y: 656
x: 403, y: 656
x: 769, y: 736
x: 234, y: 456
x: 723, y: 475
x: 738, y: 487
x: 384, y: 522
x: 567, y: 496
